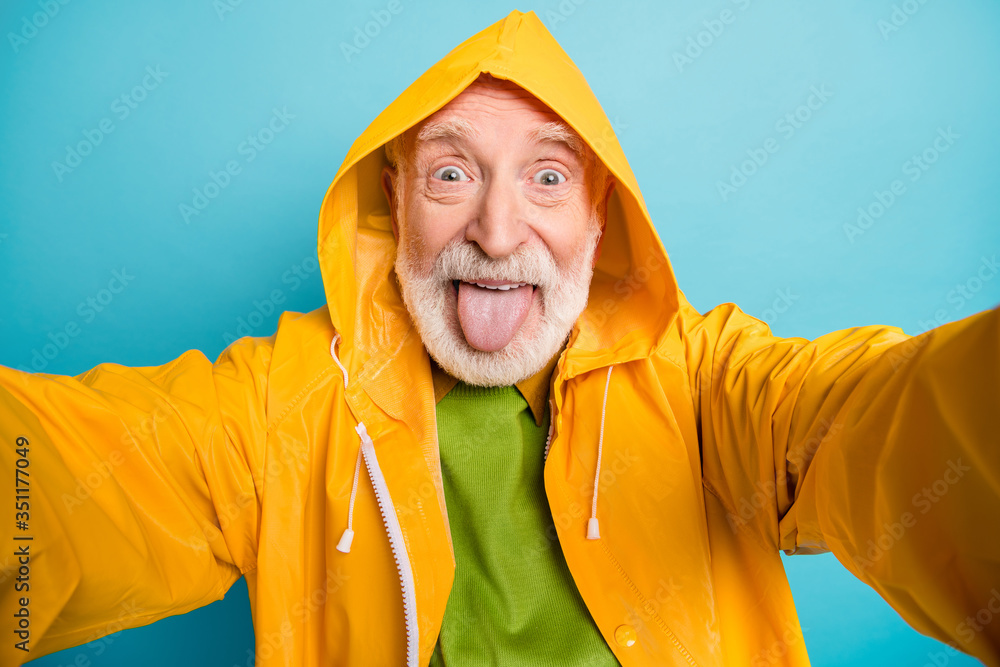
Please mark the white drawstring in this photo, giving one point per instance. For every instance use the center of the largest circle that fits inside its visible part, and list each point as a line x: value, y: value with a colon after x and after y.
x: 593, y: 528
x: 392, y: 527
x: 344, y: 545
x: 333, y: 353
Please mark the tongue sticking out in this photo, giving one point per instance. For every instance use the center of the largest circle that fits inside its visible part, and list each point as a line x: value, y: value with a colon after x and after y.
x: 491, y: 317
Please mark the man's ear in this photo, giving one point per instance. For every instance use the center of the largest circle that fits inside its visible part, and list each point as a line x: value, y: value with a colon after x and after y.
x: 603, y: 212
x: 388, y: 174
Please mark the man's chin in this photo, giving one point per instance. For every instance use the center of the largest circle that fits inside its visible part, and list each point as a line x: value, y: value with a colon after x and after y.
x: 518, y: 360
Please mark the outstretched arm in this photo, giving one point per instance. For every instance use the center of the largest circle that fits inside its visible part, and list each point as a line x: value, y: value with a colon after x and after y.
x: 881, y: 448
x: 133, y: 493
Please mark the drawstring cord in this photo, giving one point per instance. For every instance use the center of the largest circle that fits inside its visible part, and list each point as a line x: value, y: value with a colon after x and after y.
x: 397, y: 541
x: 593, y: 528
x: 336, y: 360
x: 344, y: 545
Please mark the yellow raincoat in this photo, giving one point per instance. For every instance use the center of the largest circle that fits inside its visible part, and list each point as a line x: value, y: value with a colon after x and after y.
x: 153, y: 489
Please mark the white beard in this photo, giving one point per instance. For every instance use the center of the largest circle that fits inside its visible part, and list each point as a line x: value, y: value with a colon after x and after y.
x: 431, y: 301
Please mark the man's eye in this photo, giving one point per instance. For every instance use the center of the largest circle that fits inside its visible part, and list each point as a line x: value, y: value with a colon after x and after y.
x: 549, y: 177
x: 450, y: 174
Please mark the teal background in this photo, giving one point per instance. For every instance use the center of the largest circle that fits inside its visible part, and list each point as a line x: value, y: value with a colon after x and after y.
x: 779, y: 239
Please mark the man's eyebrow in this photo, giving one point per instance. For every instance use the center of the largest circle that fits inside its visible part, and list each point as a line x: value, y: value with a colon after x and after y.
x: 452, y: 128
x: 559, y: 132
x: 461, y: 129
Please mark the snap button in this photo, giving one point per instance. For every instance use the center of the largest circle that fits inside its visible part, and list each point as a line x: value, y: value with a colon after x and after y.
x: 625, y: 635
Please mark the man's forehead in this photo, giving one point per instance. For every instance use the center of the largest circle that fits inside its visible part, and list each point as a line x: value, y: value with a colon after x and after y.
x: 488, y: 89
x: 457, y: 120
x: 464, y: 130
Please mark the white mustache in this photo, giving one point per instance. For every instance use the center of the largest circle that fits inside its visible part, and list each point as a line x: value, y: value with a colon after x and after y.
x: 466, y: 261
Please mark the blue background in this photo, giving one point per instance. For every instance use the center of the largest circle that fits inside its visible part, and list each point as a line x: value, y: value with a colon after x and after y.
x: 684, y: 125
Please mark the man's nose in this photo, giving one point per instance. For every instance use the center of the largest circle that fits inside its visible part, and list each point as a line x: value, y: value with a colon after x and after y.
x: 500, y: 225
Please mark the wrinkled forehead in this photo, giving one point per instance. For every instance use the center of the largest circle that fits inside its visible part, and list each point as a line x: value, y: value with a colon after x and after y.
x: 497, y: 99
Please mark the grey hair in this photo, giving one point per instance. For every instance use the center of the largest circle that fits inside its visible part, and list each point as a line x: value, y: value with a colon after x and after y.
x: 397, y: 154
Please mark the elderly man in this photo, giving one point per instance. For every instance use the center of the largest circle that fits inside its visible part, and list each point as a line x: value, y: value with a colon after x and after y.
x: 507, y: 438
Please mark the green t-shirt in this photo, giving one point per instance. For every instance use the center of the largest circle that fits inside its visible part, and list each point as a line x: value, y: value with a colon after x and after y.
x: 513, y: 601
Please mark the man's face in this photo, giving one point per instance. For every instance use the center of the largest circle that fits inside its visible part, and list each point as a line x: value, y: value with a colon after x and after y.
x: 497, y: 228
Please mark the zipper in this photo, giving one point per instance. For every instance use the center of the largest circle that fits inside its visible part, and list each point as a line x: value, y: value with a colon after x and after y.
x: 552, y: 423
x: 399, y: 554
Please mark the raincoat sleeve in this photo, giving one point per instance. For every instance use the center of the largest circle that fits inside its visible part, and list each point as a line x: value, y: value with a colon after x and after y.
x: 131, y: 494
x: 881, y: 448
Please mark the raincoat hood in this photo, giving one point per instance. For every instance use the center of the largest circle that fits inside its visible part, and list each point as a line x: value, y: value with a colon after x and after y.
x: 356, y: 243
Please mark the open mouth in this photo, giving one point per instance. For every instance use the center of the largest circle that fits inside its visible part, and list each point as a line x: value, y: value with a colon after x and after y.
x: 492, y: 285
x: 491, y: 312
